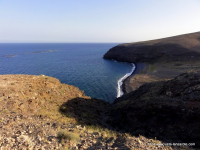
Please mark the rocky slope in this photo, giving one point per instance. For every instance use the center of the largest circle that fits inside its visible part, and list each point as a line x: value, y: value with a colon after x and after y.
x: 168, y: 110
x: 155, y: 104
x: 163, y: 58
x: 183, y: 47
x: 38, y: 112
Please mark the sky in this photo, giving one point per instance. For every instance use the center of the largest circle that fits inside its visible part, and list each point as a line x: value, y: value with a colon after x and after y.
x: 96, y: 21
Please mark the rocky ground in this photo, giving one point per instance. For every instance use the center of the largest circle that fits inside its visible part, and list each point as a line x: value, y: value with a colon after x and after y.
x: 25, y: 132
x: 38, y: 112
x: 160, y: 103
x: 168, y: 110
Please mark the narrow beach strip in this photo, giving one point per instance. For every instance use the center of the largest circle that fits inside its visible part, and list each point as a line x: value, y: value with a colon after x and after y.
x: 120, y: 82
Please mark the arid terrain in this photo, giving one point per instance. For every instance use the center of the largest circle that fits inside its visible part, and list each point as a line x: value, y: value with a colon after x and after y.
x: 160, y: 109
x: 38, y: 112
x: 150, y: 107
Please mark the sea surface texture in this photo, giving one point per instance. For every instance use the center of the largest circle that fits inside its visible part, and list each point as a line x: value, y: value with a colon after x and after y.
x: 80, y: 65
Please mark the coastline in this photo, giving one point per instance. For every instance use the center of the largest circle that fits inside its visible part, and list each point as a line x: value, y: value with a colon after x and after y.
x: 126, y: 86
x: 120, y: 82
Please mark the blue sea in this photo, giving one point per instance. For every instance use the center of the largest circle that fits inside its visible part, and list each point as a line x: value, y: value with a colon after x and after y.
x: 77, y: 64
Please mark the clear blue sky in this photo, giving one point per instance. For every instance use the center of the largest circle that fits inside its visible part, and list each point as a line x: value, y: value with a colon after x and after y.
x: 96, y: 20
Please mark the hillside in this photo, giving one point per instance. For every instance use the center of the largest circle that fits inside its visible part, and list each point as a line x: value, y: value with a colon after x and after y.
x: 168, y: 110
x: 160, y: 107
x: 178, y: 48
x: 39, y: 112
x: 162, y: 59
x: 162, y: 96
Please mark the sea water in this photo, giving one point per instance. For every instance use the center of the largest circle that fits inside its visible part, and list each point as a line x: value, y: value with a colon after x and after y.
x: 78, y: 64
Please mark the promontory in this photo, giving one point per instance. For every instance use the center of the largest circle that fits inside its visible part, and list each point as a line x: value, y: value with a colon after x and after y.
x: 159, y: 110
x: 162, y: 96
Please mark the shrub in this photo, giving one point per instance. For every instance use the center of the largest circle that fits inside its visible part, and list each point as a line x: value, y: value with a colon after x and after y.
x: 67, y: 135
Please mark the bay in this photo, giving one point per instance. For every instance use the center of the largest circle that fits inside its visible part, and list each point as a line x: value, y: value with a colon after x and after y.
x: 78, y: 64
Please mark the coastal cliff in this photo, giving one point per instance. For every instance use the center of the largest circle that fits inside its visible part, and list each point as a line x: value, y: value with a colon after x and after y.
x: 162, y: 59
x: 161, y: 98
x: 39, y: 112
x: 178, y: 48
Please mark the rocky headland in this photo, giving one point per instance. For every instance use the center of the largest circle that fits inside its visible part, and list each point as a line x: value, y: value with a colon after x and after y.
x: 160, y: 110
x: 161, y: 99
x: 161, y: 59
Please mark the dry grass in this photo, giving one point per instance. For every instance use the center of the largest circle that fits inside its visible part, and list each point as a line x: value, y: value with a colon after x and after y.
x: 106, y: 133
x: 66, y: 135
x: 37, y: 95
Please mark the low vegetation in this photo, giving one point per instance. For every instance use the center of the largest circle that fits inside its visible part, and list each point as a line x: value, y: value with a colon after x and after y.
x: 66, y: 135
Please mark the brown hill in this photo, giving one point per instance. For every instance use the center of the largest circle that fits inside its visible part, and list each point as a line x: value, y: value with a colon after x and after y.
x: 39, y: 112
x: 166, y: 108
x: 161, y: 59
x: 30, y: 116
x: 183, y: 47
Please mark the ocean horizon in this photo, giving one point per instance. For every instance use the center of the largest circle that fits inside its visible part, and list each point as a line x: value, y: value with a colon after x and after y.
x: 78, y: 64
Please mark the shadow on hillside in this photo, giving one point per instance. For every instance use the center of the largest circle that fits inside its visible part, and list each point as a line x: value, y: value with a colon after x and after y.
x: 90, y: 112
x: 85, y: 111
